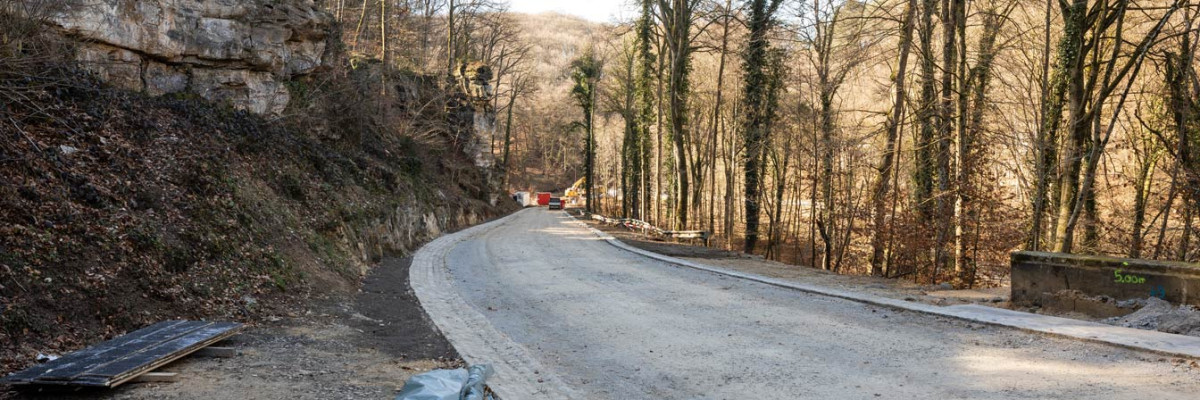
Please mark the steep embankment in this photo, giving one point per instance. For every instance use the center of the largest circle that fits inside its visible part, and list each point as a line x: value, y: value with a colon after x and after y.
x: 119, y: 209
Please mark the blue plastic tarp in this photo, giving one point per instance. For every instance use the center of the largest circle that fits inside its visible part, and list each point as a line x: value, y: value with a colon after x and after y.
x: 476, y: 379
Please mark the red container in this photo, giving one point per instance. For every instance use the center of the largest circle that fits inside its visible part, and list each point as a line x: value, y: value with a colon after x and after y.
x: 543, y: 198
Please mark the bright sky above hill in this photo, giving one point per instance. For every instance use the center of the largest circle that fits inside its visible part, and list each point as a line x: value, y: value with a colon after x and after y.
x: 595, y: 10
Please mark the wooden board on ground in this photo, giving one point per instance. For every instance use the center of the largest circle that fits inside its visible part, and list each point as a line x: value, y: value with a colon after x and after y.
x: 156, y: 377
x: 216, y: 352
x: 126, y: 357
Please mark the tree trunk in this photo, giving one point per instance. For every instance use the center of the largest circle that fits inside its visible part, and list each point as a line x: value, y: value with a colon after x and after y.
x: 1072, y: 155
x: 362, y: 20
x: 383, y: 37
x: 590, y: 163
x: 812, y: 209
x: 450, y: 40
x: 826, y: 223
x: 677, y: 23
x: 727, y: 224
x: 952, y: 11
x: 923, y: 172
x: 1142, y: 190
x: 658, y: 133
x: 645, y: 104
x: 1086, y: 145
x: 512, y: 103
x: 1046, y: 142
x: 1185, y: 111
x: 717, y: 120
x: 1162, y: 230
x: 758, y: 113
x: 969, y: 132
x: 777, y: 214
x: 882, y: 185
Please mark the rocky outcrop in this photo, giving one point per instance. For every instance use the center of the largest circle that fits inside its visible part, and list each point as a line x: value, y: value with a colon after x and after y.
x: 235, y: 51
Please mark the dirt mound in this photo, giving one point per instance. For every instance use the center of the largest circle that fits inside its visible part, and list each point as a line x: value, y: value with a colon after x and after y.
x: 1160, y: 315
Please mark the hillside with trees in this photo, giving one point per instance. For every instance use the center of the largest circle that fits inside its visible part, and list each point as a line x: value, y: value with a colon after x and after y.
x: 916, y: 139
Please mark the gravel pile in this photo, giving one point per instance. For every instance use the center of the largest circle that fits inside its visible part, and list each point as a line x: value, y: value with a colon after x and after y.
x: 1160, y: 315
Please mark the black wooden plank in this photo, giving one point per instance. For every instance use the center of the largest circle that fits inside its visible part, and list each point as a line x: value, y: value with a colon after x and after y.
x: 81, y: 355
x: 115, y: 361
x: 140, y: 341
x: 83, y: 359
x: 140, y: 361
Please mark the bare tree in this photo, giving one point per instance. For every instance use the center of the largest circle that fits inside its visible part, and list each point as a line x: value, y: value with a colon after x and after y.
x: 835, y: 35
x: 677, y: 18
x: 1088, y: 91
x: 892, y: 129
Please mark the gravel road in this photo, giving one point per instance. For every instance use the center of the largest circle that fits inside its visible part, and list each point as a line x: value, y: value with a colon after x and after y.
x: 614, y: 325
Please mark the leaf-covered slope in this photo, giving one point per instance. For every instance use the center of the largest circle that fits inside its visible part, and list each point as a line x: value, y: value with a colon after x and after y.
x: 118, y: 210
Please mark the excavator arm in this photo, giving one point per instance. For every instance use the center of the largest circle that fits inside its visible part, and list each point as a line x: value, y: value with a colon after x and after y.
x: 576, y: 190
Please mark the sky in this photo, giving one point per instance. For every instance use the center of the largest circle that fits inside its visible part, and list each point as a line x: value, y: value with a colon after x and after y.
x: 595, y: 10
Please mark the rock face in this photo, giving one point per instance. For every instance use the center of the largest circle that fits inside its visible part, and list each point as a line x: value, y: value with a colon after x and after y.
x: 236, y: 51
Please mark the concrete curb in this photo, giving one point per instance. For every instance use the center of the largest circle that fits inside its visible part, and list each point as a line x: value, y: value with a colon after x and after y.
x: 1137, y: 339
x: 518, y: 374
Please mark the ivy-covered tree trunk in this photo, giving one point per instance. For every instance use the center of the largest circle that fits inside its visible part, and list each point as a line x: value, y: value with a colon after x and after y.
x: 1052, y: 111
x: 923, y: 172
x: 1046, y: 143
x: 1079, y: 128
x: 585, y: 72
x: 590, y: 162
x: 644, y: 86
x: 756, y: 124
x: 1094, y: 78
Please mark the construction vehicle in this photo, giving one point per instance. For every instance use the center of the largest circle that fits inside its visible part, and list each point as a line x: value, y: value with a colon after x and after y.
x: 576, y: 191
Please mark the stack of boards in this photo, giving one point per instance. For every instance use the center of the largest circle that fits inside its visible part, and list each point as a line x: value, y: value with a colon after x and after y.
x: 126, y: 357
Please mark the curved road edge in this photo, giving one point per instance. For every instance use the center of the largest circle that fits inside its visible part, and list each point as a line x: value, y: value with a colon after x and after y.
x: 518, y: 374
x: 1131, y: 338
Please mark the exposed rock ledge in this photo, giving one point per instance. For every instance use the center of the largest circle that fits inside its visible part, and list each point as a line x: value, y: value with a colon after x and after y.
x: 238, y: 51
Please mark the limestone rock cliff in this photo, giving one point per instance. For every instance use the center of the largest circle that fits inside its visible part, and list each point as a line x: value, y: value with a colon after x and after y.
x: 236, y: 51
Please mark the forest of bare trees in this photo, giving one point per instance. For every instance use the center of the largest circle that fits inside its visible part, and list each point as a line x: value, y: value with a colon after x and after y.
x: 924, y: 139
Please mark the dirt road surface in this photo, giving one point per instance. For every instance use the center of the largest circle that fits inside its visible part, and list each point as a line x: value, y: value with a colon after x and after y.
x: 615, y: 325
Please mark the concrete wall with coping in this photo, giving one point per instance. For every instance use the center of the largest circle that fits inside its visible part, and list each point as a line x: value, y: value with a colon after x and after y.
x: 1038, y: 276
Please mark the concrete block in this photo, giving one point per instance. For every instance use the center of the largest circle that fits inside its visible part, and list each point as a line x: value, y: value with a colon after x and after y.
x: 1038, y: 276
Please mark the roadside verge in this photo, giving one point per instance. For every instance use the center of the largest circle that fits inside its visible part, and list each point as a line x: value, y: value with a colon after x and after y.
x: 1152, y: 341
x: 518, y: 374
